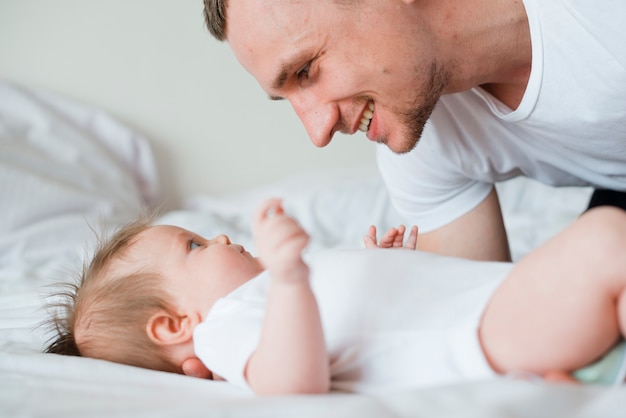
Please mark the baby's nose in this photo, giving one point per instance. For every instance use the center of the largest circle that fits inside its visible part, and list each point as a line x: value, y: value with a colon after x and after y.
x: 222, y: 239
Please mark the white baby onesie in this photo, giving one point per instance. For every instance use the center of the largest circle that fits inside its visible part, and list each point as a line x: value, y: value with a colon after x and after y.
x: 392, y: 319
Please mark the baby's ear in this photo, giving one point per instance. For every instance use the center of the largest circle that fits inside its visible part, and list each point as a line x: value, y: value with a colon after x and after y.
x: 165, y: 328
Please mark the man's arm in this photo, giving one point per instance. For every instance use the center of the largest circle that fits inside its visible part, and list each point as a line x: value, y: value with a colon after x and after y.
x: 291, y: 356
x: 477, y: 235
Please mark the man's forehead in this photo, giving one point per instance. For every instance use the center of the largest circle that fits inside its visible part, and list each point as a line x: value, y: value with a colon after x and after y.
x: 263, y: 19
x: 266, y: 36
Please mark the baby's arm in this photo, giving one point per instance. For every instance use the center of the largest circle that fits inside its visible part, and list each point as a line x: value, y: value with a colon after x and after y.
x: 393, y: 238
x: 291, y: 356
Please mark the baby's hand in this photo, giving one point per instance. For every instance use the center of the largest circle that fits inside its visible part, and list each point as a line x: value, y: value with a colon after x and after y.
x: 280, y: 240
x: 393, y: 238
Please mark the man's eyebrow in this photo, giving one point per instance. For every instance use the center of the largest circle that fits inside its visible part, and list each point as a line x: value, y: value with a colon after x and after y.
x: 286, y: 67
x: 281, y: 77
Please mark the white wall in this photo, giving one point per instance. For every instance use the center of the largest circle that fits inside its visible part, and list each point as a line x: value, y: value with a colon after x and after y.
x: 153, y: 65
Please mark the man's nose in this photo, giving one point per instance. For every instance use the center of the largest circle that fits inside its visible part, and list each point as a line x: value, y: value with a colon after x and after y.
x: 319, y: 119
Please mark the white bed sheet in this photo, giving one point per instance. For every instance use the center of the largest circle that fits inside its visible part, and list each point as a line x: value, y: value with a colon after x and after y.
x: 65, y: 166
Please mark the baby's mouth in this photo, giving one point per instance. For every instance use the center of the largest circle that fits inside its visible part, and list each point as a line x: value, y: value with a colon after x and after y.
x: 366, y: 118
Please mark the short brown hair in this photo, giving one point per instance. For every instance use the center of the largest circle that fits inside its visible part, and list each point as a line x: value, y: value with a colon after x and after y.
x: 215, y: 18
x: 105, y: 314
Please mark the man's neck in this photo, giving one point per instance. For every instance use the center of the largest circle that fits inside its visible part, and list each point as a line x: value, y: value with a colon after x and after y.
x: 486, y: 43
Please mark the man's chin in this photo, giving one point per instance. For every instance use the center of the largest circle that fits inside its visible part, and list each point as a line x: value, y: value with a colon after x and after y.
x: 400, y: 145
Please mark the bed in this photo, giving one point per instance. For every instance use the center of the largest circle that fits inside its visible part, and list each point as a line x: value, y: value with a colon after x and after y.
x: 67, y: 168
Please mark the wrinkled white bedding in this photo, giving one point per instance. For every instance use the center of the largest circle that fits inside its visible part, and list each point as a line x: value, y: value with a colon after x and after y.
x: 65, y: 168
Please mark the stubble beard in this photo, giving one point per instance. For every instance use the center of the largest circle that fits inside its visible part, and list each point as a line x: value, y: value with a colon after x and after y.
x: 422, y: 106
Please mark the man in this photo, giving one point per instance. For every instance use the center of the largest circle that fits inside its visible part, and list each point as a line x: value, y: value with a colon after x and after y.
x: 489, y: 89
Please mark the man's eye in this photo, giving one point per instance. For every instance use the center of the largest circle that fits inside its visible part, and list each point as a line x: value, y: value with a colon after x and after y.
x: 193, y: 245
x: 303, y: 73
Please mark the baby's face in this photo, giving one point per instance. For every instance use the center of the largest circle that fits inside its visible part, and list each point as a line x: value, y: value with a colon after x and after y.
x: 197, y: 271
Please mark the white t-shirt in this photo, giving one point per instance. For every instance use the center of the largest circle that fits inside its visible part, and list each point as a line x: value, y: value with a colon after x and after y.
x: 569, y: 129
x: 392, y: 319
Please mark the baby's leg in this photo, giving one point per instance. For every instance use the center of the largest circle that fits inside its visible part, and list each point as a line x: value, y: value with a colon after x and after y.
x: 564, y: 305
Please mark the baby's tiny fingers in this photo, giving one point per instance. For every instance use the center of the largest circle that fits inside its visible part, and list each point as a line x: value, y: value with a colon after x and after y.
x: 399, y: 238
x: 411, y: 241
x: 268, y: 208
x: 369, y: 242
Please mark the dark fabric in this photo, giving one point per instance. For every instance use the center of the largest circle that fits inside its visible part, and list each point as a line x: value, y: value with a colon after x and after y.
x: 602, y: 197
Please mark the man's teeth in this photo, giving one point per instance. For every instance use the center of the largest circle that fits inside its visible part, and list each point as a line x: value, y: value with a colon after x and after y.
x: 367, y: 118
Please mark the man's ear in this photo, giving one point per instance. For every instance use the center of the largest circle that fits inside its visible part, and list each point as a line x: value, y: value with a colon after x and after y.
x: 166, y: 328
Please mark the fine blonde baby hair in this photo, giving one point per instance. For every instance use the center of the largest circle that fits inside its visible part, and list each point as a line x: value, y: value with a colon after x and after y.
x: 105, y: 314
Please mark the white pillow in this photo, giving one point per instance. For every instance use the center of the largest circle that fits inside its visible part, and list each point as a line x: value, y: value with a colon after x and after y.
x: 63, y: 167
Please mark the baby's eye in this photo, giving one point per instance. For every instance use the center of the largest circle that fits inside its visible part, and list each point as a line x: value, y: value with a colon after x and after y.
x: 193, y: 245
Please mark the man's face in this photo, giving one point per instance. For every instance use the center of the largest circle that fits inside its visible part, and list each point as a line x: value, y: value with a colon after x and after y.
x: 333, y: 62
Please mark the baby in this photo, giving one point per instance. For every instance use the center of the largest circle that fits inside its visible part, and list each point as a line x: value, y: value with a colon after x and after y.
x: 369, y: 320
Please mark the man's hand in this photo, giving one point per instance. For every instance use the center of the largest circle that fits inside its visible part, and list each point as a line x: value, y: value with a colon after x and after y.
x: 393, y: 238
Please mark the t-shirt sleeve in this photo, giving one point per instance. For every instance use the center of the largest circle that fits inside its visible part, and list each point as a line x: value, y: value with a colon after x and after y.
x: 429, y: 186
x: 226, y: 339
